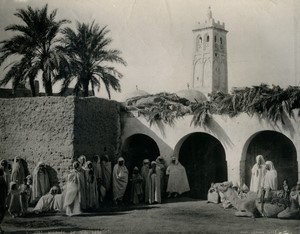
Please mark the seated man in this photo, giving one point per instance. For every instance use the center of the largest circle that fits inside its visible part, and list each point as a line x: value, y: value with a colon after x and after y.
x: 46, y: 202
x: 213, y: 194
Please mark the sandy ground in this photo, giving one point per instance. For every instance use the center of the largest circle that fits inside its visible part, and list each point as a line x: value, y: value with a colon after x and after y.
x: 175, y: 216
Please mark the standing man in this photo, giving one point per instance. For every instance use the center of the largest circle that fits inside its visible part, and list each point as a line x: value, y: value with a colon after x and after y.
x: 178, y: 182
x: 41, y: 182
x: 3, y: 196
x: 120, y: 180
x: 154, y: 184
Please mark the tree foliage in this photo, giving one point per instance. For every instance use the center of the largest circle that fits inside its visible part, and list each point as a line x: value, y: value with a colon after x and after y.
x: 34, y: 47
x: 86, y: 59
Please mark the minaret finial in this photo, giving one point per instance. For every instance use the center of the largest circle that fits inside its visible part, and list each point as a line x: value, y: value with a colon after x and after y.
x: 209, y: 13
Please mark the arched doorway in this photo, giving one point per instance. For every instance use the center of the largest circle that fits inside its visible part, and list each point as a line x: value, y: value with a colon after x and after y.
x: 138, y: 147
x: 275, y: 147
x: 203, y: 157
x: 135, y: 149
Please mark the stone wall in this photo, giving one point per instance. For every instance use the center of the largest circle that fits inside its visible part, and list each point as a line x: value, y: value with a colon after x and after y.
x: 97, y: 127
x: 58, y: 129
x: 38, y: 129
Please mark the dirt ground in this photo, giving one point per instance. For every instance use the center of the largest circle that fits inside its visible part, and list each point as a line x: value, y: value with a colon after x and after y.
x: 179, y: 215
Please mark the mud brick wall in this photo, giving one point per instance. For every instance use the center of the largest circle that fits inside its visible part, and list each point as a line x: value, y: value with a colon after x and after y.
x: 97, y: 127
x: 38, y: 129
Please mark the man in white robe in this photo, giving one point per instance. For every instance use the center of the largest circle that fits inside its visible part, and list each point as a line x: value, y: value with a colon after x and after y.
x: 270, y: 179
x: 160, y: 162
x: 41, y: 182
x: 73, y: 194
x: 18, y: 171
x: 120, y: 180
x: 178, y: 182
x: 82, y: 161
x: 153, y: 184
x: 145, y: 173
x: 257, y: 174
x: 46, y: 202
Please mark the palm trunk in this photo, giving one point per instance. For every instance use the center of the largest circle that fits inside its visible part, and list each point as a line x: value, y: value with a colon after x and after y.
x: 32, y: 87
x: 93, y: 89
x: 48, y: 88
x: 47, y: 84
x: 85, y: 89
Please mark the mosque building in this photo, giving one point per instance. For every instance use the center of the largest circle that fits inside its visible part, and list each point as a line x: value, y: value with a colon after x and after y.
x: 226, y: 148
x: 57, y: 130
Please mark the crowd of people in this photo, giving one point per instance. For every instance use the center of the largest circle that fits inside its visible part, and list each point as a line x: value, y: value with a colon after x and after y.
x: 263, y: 186
x: 88, y: 185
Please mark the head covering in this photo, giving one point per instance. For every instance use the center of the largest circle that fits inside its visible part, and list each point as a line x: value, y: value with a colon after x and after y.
x: 96, y: 157
x: 82, y: 160
x: 76, y: 163
x: 89, y: 163
x: 261, y: 158
x: 160, y: 158
x: 54, y: 189
x: 174, y: 159
x: 245, y: 188
x: 41, y: 164
x: 235, y: 184
x: 121, y: 159
x: 153, y: 163
x: 105, y: 156
x: 12, y: 184
x: 136, y: 169
x: 145, y: 161
x: 271, y: 165
x: 3, y: 162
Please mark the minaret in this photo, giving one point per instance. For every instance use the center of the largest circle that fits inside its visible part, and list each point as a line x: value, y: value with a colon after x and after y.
x: 210, y: 56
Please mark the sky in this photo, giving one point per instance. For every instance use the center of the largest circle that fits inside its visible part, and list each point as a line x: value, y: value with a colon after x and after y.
x: 156, y: 38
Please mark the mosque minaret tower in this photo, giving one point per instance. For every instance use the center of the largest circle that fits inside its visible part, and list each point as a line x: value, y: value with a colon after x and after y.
x: 210, y: 56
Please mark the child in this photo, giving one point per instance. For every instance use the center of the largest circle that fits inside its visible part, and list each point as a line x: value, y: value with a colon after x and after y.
x: 14, y: 208
x: 25, y: 193
x: 286, y: 192
x: 137, y: 187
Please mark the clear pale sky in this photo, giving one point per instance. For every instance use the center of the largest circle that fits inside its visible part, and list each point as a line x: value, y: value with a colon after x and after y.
x: 156, y: 38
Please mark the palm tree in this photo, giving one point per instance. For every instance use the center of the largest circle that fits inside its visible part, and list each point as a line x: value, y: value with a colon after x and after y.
x: 87, y: 58
x: 34, y: 48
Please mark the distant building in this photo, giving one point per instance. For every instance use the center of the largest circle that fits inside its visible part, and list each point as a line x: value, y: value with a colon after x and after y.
x: 23, y: 90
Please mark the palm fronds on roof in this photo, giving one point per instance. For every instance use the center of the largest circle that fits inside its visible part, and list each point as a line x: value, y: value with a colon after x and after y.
x: 266, y: 102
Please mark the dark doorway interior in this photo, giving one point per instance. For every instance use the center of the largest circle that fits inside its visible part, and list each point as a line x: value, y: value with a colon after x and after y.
x: 277, y: 148
x: 137, y: 148
x: 203, y: 157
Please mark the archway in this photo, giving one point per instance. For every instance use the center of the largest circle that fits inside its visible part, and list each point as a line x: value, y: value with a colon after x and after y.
x: 138, y: 147
x: 203, y: 157
x: 275, y: 147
